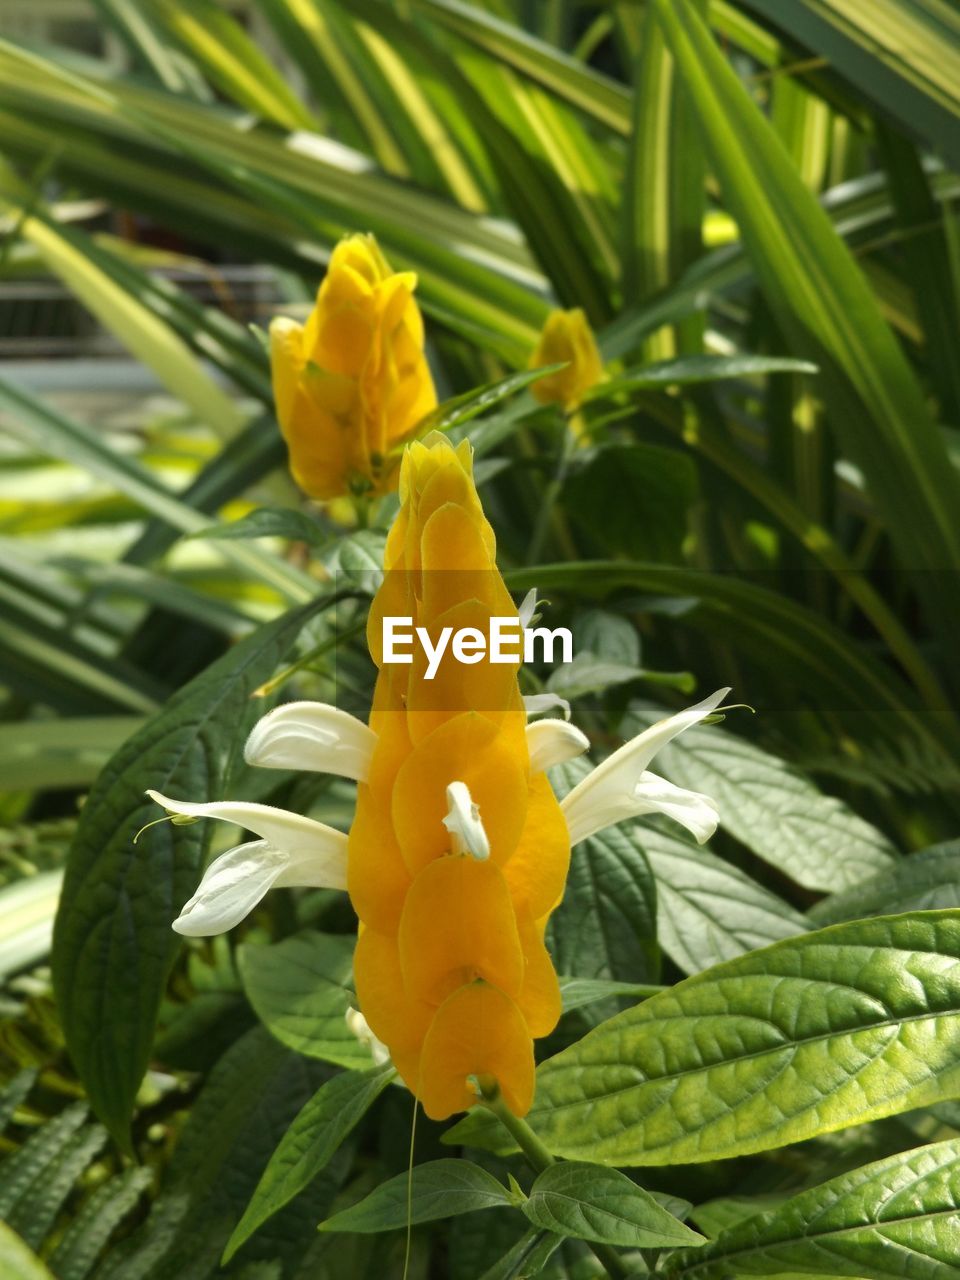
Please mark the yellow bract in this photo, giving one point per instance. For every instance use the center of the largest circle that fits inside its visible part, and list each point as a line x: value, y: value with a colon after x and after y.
x: 352, y: 382
x: 451, y: 970
x: 566, y: 338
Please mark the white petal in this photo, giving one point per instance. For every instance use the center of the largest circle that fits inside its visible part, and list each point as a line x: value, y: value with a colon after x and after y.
x: 535, y: 704
x: 464, y: 824
x: 231, y: 887
x: 552, y: 742
x: 312, y: 735
x: 528, y: 608
x: 617, y: 788
x: 290, y: 832
x: 692, y: 809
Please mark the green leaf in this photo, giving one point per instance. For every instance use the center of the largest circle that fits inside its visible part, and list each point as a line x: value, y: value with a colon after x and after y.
x: 246, y: 1105
x: 812, y: 838
x: 898, y: 1216
x: 588, y: 674
x: 34, y: 1213
x: 309, y: 1144
x: 825, y: 307
x: 144, y: 333
x: 113, y: 945
x: 592, y: 1203
x: 66, y: 752
x: 655, y: 487
x: 17, y: 1260
x: 440, y: 1189
x: 595, y: 94
x: 232, y: 60
x: 301, y: 989
x: 528, y: 1257
x: 904, y: 55
x: 27, y: 908
x: 269, y: 522
x: 14, y: 1093
x: 709, y: 910
x: 357, y: 561
x: 924, y: 881
x: 471, y: 404
x: 94, y: 1223
x: 577, y: 992
x: 808, y: 1036
x: 692, y: 370
x: 605, y: 927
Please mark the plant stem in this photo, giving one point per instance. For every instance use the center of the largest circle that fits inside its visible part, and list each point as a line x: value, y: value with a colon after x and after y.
x: 539, y: 1158
x: 549, y: 514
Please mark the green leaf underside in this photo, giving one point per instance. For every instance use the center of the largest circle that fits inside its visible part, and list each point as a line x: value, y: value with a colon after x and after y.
x: 301, y: 989
x: 604, y: 1205
x: 894, y: 1218
x: 924, y: 881
x: 441, y: 1189
x: 813, y: 1034
x: 814, y: 839
x: 309, y: 1143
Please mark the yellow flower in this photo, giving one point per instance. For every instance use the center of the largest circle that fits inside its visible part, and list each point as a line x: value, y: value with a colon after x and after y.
x: 353, y: 382
x: 566, y: 337
x: 459, y: 849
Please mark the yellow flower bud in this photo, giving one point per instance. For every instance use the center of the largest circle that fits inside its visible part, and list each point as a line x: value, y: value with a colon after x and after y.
x: 459, y: 850
x: 566, y: 337
x: 353, y: 382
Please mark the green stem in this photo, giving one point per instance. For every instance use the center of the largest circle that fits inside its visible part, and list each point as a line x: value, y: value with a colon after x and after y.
x: 539, y: 1158
x: 549, y: 514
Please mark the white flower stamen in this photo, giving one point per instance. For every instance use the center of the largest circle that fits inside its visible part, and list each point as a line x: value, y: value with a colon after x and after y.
x: 464, y: 823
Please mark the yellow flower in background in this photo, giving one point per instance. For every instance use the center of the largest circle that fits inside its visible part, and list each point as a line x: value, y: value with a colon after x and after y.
x: 566, y: 337
x: 459, y: 849
x: 352, y: 382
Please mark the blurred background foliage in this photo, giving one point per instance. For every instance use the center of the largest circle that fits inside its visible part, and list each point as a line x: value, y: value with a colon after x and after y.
x: 758, y: 206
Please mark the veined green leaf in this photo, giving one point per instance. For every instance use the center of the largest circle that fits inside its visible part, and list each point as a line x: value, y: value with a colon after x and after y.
x: 306, y: 1148
x: 113, y: 945
x: 592, y: 1203
x: 94, y: 1223
x: 301, y: 989
x: 924, y: 881
x: 709, y: 910
x: 825, y: 307
x: 811, y: 1035
x: 440, y: 1189
x: 577, y: 992
x: 812, y: 838
x: 898, y: 1216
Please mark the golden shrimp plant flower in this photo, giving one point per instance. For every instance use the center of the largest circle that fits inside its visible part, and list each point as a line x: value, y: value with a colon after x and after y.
x: 566, y: 338
x: 353, y: 382
x: 459, y: 849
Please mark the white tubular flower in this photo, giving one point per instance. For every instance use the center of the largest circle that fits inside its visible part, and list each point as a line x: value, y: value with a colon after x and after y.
x: 359, y: 1027
x: 535, y: 704
x: 621, y: 787
x: 292, y: 852
x: 312, y: 735
x: 552, y: 742
x: 464, y: 824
